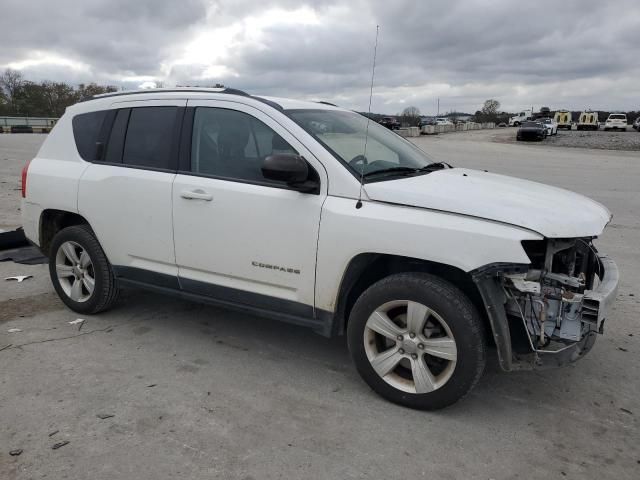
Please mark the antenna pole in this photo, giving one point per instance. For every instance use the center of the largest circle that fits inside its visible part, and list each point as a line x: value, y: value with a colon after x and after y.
x: 366, y: 135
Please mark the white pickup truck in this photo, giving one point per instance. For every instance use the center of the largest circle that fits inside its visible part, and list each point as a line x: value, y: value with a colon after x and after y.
x: 520, y: 118
x: 312, y: 214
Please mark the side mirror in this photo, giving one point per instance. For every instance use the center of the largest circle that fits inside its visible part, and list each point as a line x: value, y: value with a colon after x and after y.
x: 285, y: 168
x: 291, y: 169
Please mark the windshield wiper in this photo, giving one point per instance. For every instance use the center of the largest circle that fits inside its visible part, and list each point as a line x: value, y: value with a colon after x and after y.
x: 408, y: 170
x: 392, y: 170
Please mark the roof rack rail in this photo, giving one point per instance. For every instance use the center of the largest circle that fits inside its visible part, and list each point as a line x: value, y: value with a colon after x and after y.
x: 231, y: 91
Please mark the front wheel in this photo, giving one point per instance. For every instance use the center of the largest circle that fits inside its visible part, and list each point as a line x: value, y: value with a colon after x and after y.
x: 80, y: 271
x: 417, y: 341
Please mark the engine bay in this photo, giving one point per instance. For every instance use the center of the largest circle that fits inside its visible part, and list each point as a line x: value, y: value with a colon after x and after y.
x: 552, y: 298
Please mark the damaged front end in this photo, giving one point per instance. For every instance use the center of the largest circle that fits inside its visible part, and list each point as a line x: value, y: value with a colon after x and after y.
x: 548, y: 313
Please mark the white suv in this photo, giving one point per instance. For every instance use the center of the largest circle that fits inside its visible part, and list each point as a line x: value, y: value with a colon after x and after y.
x: 616, y: 121
x: 253, y: 203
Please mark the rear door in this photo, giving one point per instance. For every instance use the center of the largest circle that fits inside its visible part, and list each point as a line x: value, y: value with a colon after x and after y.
x: 126, y: 194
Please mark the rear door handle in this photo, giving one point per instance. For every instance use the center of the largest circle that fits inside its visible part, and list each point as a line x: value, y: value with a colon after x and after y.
x: 196, y: 195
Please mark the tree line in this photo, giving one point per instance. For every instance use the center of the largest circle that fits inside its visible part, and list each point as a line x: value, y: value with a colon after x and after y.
x: 20, y: 97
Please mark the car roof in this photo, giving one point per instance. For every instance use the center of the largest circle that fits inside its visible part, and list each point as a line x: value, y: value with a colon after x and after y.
x: 102, y: 101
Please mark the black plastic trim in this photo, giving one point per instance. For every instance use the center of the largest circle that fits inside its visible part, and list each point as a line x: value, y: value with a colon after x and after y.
x: 146, y: 276
x: 320, y: 321
x: 487, y: 280
x: 254, y: 300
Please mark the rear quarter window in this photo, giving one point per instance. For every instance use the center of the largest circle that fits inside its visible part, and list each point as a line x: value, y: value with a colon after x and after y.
x: 86, y: 131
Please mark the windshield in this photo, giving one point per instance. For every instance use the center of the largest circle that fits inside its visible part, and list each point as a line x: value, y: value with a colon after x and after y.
x: 617, y: 117
x: 531, y: 124
x: 343, y: 134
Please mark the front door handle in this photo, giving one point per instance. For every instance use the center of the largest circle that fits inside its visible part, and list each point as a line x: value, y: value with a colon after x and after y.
x: 196, y: 195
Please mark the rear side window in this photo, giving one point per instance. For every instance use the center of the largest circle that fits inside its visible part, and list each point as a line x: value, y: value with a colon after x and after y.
x: 149, y: 137
x: 86, y: 131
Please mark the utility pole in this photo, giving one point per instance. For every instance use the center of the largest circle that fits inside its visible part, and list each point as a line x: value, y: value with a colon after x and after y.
x: 438, y: 114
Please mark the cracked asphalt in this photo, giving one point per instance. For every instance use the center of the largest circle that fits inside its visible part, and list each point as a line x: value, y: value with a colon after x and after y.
x: 199, y: 392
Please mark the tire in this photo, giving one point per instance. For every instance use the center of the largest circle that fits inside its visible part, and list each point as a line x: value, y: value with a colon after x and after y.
x: 91, y: 268
x: 447, y: 316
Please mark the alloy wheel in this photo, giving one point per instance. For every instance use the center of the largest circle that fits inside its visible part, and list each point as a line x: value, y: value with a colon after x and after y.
x: 410, y: 346
x: 75, y: 272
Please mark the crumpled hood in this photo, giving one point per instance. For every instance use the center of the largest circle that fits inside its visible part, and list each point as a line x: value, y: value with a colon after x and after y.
x: 550, y: 211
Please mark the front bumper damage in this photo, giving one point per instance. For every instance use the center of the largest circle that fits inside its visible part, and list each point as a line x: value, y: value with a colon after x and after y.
x: 561, y: 326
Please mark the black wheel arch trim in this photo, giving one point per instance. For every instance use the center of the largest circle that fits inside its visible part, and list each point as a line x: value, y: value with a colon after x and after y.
x: 486, y: 279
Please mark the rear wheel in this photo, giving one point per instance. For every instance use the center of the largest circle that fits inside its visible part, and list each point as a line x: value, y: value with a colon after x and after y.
x: 80, y: 271
x: 417, y: 341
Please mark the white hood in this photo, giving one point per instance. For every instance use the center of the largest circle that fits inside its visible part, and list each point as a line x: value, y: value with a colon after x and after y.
x: 550, y: 211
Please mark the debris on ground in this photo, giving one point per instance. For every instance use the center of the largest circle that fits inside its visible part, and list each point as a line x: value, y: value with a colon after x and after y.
x: 14, y: 330
x: 19, y: 278
x: 626, y: 411
x: 13, y: 239
x: 6, y: 346
x: 59, y: 444
x: 104, y: 416
x: 16, y: 452
x: 53, y: 433
x: 622, y: 349
x: 75, y: 322
x: 152, y: 385
x: 25, y: 255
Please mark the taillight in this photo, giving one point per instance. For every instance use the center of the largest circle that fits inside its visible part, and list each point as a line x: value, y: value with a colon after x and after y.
x: 24, y: 179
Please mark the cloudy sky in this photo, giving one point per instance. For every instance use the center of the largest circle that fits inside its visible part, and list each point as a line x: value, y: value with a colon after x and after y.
x: 569, y: 53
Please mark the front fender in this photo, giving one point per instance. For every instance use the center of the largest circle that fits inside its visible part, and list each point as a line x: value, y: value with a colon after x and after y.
x: 466, y: 243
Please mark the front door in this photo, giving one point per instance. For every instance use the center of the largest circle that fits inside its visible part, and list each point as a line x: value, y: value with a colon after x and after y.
x: 238, y: 236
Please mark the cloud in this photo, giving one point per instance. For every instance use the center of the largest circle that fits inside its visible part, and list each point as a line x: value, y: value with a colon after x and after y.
x: 573, y: 54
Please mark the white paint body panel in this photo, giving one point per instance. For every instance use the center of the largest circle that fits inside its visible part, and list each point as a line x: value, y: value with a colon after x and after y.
x: 462, y: 242
x: 53, y: 178
x: 130, y: 212
x: 550, y: 211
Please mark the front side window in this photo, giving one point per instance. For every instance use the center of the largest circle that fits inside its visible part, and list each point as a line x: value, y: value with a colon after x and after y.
x: 86, y: 131
x: 343, y: 133
x: 232, y: 144
x: 149, y: 137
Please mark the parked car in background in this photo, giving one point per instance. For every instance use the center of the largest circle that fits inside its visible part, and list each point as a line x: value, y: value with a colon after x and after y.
x: 390, y: 122
x: 588, y: 120
x: 563, y: 119
x: 532, y: 131
x: 21, y: 129
x: 636, y: 123
x: 616, y: 121
x: 443, y: 121
x: 550, y: 124
x: 425, y: 121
